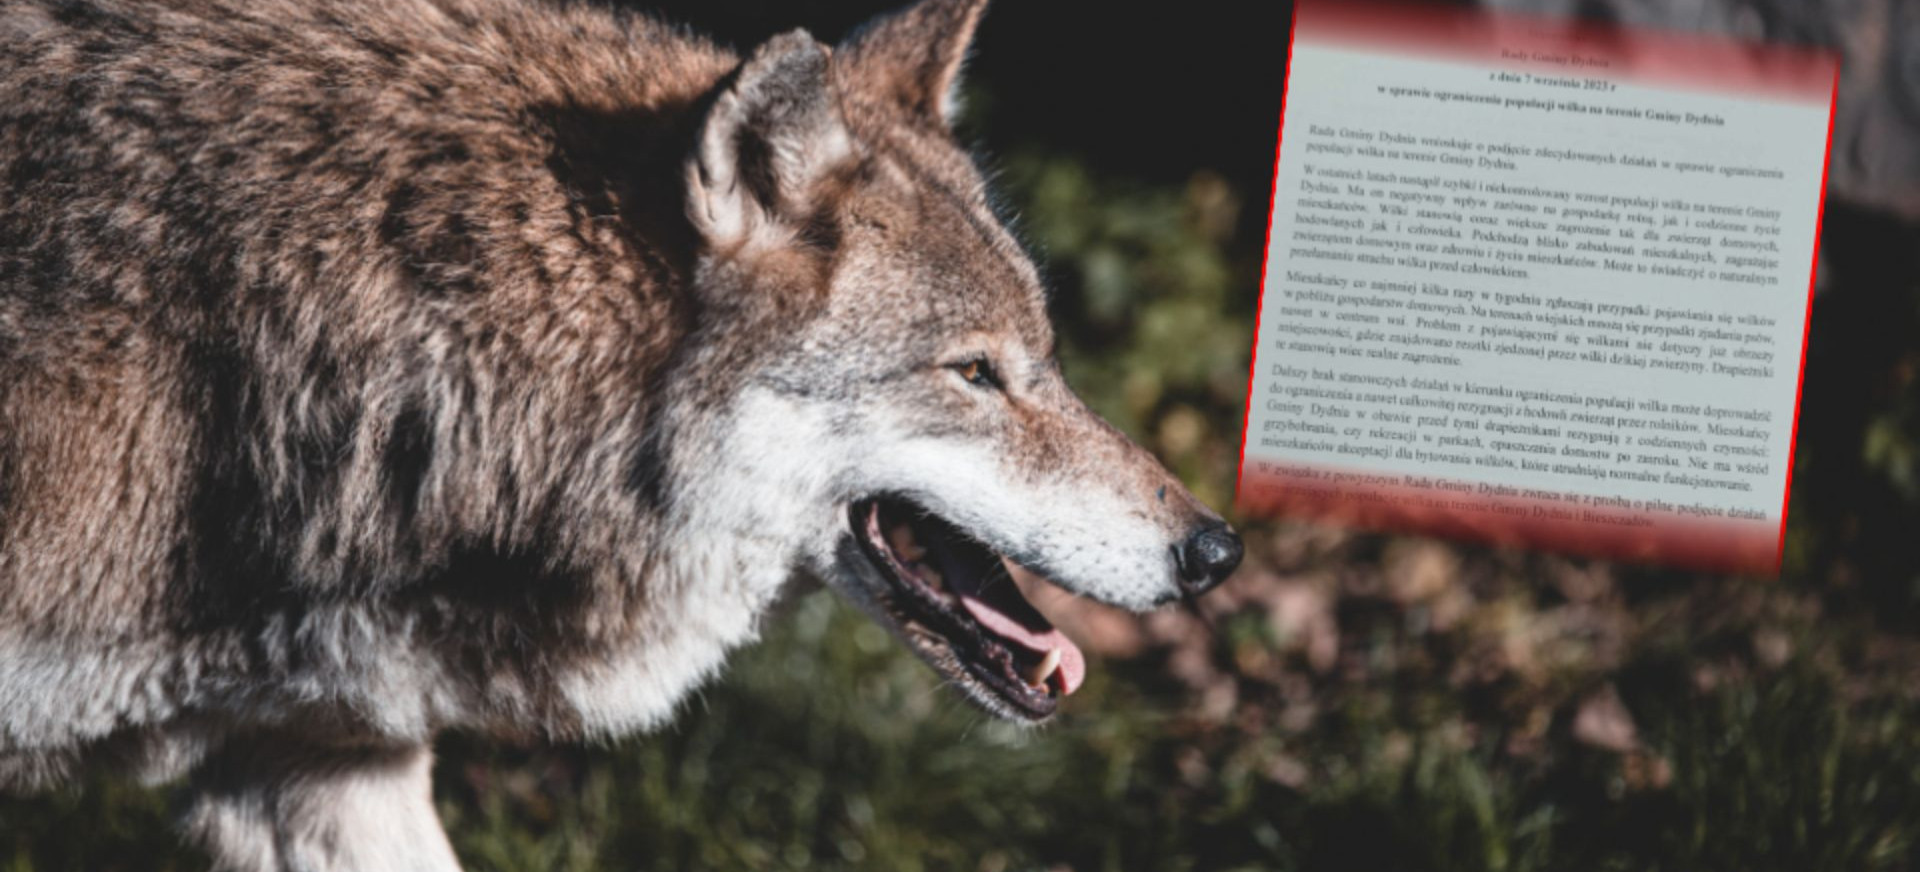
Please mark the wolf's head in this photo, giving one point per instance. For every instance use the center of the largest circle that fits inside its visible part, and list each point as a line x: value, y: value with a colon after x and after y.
x: 897, y: 423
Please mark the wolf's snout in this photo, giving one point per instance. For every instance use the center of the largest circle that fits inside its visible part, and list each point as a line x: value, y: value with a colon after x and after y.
x: 1208, y: 557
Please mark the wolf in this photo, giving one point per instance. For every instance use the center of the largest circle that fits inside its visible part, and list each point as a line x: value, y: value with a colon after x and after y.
x: 372, y: 368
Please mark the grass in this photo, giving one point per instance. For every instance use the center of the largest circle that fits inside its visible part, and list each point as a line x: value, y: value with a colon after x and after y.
x: 826, y: 748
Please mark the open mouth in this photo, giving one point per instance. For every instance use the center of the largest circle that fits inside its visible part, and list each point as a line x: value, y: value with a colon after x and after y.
x: 956, y: 600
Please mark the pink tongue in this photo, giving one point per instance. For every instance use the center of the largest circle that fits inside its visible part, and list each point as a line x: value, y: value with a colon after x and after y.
x: 1073, y: 664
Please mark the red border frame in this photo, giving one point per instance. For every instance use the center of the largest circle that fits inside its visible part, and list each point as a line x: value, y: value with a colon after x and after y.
x: 1586, y: 29
x: 1806, y: 328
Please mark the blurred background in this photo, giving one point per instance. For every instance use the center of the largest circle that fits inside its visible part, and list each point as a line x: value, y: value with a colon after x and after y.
x: 1350, y: 700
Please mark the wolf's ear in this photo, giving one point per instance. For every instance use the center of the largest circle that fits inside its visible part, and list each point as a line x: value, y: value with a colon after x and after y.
x: 772, y: 134
x: 913, y: 57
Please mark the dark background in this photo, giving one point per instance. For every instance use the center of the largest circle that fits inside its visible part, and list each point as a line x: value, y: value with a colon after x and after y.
x: 1350, y: 700
x: 1149, y: 91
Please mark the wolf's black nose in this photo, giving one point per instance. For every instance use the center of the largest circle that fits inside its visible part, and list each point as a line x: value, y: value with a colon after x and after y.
x: 1208, y: 557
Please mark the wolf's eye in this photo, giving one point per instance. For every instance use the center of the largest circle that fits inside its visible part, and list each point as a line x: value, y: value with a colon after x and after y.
x: 978, y: 372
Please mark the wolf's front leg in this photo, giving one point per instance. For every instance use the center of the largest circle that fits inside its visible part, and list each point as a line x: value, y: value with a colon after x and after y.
x: 273, y: 804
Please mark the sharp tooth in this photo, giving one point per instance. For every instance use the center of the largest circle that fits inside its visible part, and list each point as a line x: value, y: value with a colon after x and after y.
x: 1038, y: 675
x: 932, y: 576
x: 901, y: 538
